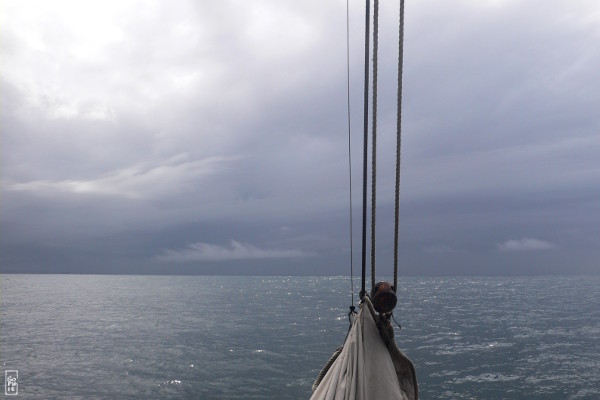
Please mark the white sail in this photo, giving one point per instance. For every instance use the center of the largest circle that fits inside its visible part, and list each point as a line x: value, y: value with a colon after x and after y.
x: 366, y: 368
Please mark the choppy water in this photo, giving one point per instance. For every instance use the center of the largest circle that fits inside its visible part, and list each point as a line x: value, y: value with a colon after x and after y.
x: 140, y: 337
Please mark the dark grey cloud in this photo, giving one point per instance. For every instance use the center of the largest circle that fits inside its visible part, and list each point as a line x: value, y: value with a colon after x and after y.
x: 204, y: 137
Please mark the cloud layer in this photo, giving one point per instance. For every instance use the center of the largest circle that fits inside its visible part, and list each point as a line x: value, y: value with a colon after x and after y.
x: 129, y: 127
x: 525, y: 244
x: 235, y: 251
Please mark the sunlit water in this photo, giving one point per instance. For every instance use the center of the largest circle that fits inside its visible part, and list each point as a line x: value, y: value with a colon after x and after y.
x: 141, y: 337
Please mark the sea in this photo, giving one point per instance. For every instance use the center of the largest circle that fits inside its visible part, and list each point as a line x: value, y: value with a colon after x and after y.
x: 223, y: 337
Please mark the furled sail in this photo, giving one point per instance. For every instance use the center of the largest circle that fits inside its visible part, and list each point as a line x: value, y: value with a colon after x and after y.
x: 369, y: 365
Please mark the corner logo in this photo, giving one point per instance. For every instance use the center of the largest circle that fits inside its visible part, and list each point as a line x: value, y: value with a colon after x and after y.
x: 11, y: 382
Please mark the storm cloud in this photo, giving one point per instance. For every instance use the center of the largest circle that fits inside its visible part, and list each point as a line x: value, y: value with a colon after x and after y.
x: 211, y: 137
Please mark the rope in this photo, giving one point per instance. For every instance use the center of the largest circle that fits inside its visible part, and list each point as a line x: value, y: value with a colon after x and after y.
x: 351, y: 318
x: 365, y: 145
x: 349, y: 146
x: 398, y: 142
x: 374, y: 147
x: 325, y: 369
x: 397, y: 323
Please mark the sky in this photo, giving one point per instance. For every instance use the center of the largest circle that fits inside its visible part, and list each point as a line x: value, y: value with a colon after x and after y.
x: 211, y: 137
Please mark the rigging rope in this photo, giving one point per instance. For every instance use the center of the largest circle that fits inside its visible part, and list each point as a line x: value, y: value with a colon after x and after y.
x: 374, y: 138
x: 365, y: 144
x: 349, y: 146
x: 398, y: 142
x: 374, y: 142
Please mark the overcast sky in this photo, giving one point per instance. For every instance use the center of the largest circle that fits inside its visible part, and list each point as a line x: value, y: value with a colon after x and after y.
x: 211, y: 136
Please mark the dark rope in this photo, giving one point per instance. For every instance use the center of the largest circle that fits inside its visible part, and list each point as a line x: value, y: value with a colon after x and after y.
x: 398, y: 143
x: 392, y: 314
x: 374, y: 138
x: 365, y: 144
x: 349, y: 146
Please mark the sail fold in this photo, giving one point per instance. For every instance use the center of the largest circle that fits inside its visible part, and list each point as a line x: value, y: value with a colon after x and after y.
x: 366, y: 368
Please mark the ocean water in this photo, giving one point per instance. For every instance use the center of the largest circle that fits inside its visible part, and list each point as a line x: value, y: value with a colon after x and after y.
x: 206, y: 337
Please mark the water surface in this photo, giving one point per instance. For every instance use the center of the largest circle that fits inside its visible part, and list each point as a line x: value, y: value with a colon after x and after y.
x: 203, y: 337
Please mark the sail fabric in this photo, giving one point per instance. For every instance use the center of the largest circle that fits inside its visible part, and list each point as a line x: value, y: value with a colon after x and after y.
x: 365, y: 368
